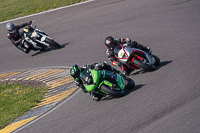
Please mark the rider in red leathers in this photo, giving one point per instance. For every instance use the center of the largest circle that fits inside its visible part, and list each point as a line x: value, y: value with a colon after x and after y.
x: 111, y: 43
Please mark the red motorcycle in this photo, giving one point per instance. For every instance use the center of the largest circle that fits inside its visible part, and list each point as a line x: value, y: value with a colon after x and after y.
x: 135, y: 58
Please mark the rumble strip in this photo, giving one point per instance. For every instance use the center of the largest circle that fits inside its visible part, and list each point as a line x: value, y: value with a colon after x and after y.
x: 60, y: 85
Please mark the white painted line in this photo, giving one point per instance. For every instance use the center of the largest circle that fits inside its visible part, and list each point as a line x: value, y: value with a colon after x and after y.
x: 41, y: 116
x: 47, y: 11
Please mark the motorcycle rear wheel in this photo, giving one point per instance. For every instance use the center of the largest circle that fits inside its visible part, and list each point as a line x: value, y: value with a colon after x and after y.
x: 52, y: 43
x: 111, y: 92
x: 144, y: 66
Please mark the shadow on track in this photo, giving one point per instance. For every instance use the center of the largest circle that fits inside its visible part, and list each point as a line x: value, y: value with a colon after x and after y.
x: 49, y: 49
x: 137, y: 87
x: 162, y: 64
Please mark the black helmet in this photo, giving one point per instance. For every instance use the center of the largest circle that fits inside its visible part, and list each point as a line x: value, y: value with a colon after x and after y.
x: 75, y: 71
x: 11, y: 28
x: 110, y: 42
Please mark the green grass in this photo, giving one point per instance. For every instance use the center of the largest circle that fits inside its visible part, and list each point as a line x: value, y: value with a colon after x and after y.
x: 11, y: 9
x: 17, y: 99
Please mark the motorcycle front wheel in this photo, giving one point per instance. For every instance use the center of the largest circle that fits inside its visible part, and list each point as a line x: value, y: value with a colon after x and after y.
x: 129, y: 83
x: 157, y: 60
x: 52, y: 43
x: 111, y: 92
x: 143, y: 65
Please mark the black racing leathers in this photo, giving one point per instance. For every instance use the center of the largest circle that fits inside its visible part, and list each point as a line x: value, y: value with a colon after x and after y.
x: 16, y: 38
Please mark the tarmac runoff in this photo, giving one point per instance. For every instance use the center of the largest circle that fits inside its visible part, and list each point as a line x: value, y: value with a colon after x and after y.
x: 60, y: 85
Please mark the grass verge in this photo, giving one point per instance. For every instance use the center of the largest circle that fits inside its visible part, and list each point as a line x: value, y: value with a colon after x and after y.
x: 11, y: 9
x: 17, y: 99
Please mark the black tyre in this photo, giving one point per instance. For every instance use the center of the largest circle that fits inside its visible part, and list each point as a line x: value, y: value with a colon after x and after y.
x: 111, y: 92
x: 144, y: 66
x: 157, y: 60
x: 130, y: 84
x: 52, y: 43
x: 43, y: 47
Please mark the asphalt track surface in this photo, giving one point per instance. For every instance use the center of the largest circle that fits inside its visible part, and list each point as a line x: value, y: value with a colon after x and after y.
x: 166, y: 100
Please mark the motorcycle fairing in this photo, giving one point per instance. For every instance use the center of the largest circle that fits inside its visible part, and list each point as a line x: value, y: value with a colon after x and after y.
x: 123, y: 54
x: 111, y: 77
x: 95, y: 77
x: 30, y: 33
x: 92, y: 75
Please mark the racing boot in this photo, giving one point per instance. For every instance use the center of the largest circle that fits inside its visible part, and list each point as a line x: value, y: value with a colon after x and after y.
x: 126, y: 70
x: 25, y: 50
x: 96, y: 97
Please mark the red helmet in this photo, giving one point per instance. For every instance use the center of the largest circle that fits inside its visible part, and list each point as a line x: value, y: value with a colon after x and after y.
x: 128, y: 40
x: 110, y: 42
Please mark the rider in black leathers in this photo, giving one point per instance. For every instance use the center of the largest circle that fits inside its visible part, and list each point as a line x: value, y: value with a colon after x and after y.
x: 15, y: 36
x: 111, y: 43
x: 75, y: 71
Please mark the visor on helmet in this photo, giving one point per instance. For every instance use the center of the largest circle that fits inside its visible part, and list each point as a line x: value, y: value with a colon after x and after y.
x: 13, y: 31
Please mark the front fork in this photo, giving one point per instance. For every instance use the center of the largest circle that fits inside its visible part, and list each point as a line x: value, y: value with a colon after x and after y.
x: 148, y: 59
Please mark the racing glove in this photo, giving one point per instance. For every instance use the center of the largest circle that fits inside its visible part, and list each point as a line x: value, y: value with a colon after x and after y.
x: 30, y: 22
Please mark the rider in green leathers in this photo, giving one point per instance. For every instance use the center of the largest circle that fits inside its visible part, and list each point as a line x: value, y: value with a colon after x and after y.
x: 76, y: 70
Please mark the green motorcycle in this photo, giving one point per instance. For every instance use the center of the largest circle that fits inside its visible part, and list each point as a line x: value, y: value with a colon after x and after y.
x: 103, y: 82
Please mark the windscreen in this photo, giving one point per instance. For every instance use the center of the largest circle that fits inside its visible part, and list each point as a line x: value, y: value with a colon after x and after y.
x: 86, y: 77
x: 117, y: 49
